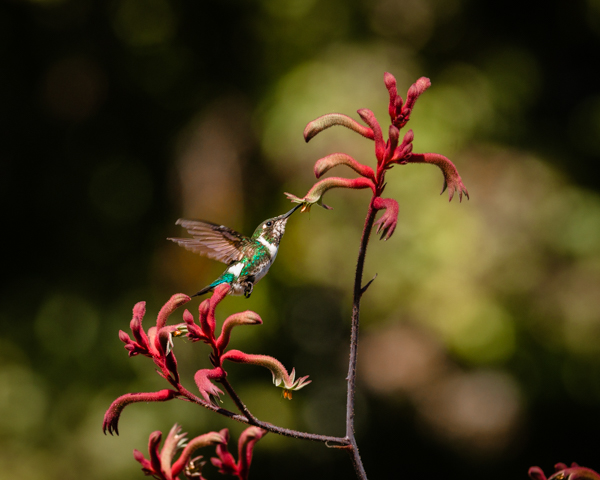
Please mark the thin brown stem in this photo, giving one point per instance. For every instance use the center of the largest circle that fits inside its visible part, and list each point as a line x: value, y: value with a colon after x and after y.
x: 238, y: 401
x: 331, y: 441
x: 358, y: 292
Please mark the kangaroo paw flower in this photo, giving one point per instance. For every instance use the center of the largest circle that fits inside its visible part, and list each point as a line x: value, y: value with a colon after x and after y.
x: 331, y: 119
x: 388, y: 221
x: 281, y: 378
x: 563, y: 472
x: 112, y: 415
x: 203, y: 381
x: 398, y: 110
x: 315, y: 194
x: 369, y: 118
x: 160, y: 464
x: 168, y: 308
x: 452, y: 179
x: 243, y: 318
x: 225, y: 461
x: 326, y: 163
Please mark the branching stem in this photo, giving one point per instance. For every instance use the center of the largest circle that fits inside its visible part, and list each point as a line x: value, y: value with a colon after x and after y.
x: 358, y: 292
x: 251, y: 420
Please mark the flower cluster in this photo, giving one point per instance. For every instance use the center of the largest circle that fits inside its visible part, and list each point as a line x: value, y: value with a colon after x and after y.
x: 157, y: 344
x: 162, y: 465
x: 564, y: 472
x: 388, y: 153
x: 205, y: 331
x: 225, y: 461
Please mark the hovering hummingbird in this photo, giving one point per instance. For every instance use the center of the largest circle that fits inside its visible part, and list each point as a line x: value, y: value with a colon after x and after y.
x: 248, y: 258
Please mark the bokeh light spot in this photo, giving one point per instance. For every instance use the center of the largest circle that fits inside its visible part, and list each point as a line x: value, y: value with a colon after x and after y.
x: 474, y: 413
x: 144, y: 23
x: 73, y: 88
x: 412, y: 20
x: 584, y: 125
x: 488, y: 336
x: 121, y: 189
x: 66, y: 325
x: 292, y: 9
x: 22, y: 400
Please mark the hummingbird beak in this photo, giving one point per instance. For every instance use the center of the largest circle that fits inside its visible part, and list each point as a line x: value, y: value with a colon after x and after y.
x: 286, y: 215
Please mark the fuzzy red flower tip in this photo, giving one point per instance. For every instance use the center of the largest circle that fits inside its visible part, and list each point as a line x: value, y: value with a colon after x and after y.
x: 536, y: 473
x: 563, y: 472
x: 315, y: 194
x: 112, y: 415
x: 242, y: 318
x: 193, y: 331
x: 246, y: 443
x: 168, y: 308
x: 388, y: 221
x: 452, y: 180
x: 281, y: 378
x: 225, y: 461
x: 331, y: 119
x: 207, y: 389
x: 369, y: 118
x: 325, y: 164
x: 161, y: 465
x: 140, y: 343
x: 399, y: 110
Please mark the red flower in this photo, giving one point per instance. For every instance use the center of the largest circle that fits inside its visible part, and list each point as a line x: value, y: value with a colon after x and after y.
x: 160, y: 464
x: 388, y: 153
x: 387, y: 223
x: 158, y: 342
x: 563, y: 472
x: 203, y: 381
x: 112, y: 415
x: 225, y: 461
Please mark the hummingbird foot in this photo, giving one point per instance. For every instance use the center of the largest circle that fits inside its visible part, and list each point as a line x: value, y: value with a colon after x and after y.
x: 248, y: 287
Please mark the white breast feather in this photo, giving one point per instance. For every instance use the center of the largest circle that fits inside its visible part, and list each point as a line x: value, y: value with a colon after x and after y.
x: 272, y: 248
x: 236, y: 269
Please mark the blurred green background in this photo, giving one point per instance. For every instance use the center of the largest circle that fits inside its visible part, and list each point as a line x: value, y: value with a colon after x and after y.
x: 480, y: 347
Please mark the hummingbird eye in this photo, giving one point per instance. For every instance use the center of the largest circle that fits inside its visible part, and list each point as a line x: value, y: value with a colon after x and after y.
x: 269, y: 223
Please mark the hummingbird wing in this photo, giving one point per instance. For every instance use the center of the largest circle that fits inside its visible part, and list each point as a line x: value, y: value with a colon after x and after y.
x: 212, y: 240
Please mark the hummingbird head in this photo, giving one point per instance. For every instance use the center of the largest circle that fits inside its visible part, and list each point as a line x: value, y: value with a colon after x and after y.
x: 272, y: 229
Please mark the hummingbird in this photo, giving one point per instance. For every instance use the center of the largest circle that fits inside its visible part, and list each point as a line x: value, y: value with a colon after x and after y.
x: 248, y: 259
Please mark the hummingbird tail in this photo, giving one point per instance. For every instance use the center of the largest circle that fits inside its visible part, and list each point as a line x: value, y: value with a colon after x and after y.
x: 204, y: 290
x: 211, y: 287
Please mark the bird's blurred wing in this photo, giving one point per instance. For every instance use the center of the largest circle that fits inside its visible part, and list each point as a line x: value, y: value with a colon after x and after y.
x: 214, y: 241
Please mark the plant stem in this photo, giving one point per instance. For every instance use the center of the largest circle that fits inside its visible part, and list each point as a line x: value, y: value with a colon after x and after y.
x: 333, y: 441
x: 358, y: 291
x: 238, y: 401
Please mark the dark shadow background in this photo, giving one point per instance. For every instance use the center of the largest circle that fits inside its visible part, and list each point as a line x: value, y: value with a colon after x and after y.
x: 99, y: 102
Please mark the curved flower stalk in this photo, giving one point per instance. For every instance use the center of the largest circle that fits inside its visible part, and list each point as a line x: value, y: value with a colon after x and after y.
x: 111, y: 418
x: 281, y: 378
x: 225, y: 461
x: 160, y: 463
x: 563, y: 472
x: 315, y: 194
x: 326, y: 121
x: 388, y: 153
